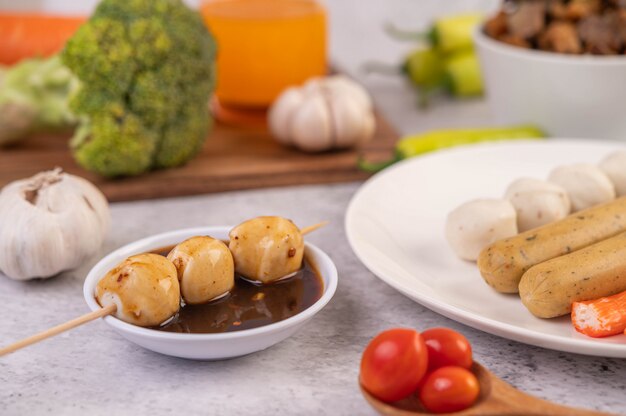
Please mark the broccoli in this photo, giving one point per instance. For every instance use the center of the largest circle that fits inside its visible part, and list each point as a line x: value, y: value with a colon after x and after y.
x: 33, y: 97
x: 146, y: 70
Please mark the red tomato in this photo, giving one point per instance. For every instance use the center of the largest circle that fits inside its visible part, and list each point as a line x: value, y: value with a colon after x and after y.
x: 393, y: 364
x: 449, y: 389
x: 447, y: 347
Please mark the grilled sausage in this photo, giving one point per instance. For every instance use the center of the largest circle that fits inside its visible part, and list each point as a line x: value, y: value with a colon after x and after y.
x: 503, y: 263
x: 548, y: 289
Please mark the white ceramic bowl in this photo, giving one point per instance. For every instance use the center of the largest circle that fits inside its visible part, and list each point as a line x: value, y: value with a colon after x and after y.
x: 207, y: 346
x: 566, y: 95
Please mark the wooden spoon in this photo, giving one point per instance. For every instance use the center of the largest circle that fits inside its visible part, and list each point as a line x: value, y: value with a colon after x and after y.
x: 497, y: 398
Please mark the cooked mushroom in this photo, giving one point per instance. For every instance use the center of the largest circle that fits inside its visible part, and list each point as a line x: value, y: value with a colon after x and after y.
x: 601, y: 34
x: 143, y: 287
x: 497, y: 25
x: 563, y: 26
x: 206, y: 270
x: 266, y: 249
x: 528, y: 19
x: 560, y: 37
x: 579, y: 9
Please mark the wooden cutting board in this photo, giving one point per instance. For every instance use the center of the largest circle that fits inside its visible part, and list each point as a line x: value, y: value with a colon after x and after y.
x: 232, y: 158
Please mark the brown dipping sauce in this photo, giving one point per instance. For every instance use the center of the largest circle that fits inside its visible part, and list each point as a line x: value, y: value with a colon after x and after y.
x: 249, y: 305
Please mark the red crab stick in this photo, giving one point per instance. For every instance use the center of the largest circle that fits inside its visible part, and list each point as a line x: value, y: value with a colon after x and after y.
x: 601, y: 317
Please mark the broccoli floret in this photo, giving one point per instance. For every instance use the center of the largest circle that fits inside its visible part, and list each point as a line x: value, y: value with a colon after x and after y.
x: 33, y: 97
x: 147, y: 71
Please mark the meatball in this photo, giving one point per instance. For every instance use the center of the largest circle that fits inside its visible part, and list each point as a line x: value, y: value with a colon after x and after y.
x: 266, y: 249
x: 586, y: 185
x: 206, y: 270
x: 537, y: 202
x: 614, y: 166
x: 143, y: 287
x: 476, y: 224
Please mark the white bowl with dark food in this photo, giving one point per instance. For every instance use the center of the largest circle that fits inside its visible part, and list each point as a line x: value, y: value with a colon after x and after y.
x: 251, y: 318
x: 565, y: 76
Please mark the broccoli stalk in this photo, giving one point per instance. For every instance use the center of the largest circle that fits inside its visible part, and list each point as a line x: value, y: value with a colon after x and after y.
x: 34, y: 97
x: 146, y: 70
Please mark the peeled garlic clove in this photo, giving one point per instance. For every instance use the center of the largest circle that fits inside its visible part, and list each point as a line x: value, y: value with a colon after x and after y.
x: 205, y: 267
x: 266, y: 249
x: 50, y: 223
x: 143, y: 287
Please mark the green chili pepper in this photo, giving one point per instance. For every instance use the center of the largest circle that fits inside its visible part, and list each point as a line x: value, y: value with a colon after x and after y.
x: 425, y: 68
x: 427, y: 142
x: 454, y: 33
x: 447, y: 34
x: 462, y: 74
x: 457, y: 74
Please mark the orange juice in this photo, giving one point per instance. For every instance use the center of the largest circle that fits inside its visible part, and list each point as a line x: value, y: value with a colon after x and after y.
x: 265, y: 46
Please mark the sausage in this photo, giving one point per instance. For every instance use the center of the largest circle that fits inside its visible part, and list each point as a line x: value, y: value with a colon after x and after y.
x: 503, y: 263
x: 548, y: 289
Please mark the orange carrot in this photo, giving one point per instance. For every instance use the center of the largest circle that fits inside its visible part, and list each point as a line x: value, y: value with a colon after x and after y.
x: 601, y: 317
x: 29, y: 35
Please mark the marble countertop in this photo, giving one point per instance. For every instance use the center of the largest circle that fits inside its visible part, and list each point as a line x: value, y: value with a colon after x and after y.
x: 92, y: 370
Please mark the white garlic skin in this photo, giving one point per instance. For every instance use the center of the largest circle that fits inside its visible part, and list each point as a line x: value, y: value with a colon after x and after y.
x: 325, y: 113
x: 50, y: 223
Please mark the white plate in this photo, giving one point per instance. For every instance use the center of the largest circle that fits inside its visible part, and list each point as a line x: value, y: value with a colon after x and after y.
x: 207, y: 346
x: 395, y: 225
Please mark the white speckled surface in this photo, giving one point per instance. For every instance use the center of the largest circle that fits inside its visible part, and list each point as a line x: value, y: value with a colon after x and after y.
x: 93, y: 371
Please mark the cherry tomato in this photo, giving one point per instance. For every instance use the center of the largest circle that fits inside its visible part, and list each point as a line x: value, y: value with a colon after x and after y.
x: 447, y: 347
x: 449, y: 389
x: 393, y: 364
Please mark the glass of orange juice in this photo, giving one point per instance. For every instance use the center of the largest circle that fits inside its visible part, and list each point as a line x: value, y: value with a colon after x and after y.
x: 264, y: 46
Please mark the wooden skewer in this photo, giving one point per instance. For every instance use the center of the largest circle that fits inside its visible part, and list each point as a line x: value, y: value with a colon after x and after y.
x: 313, y: 227
x: 58, y: 329
x: 94, y: 315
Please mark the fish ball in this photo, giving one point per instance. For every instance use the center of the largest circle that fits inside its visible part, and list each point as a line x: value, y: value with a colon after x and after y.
x: 585, y: 184
x: 537, y: 202
x: 267, y: 249
x: 206, y: 269
x: 143, y: 287
x: 478, y: 223
x: 614, y: 166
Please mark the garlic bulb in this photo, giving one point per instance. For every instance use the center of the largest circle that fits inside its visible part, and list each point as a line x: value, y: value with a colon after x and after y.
x: 325, y: 113
x: 49, y: 223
